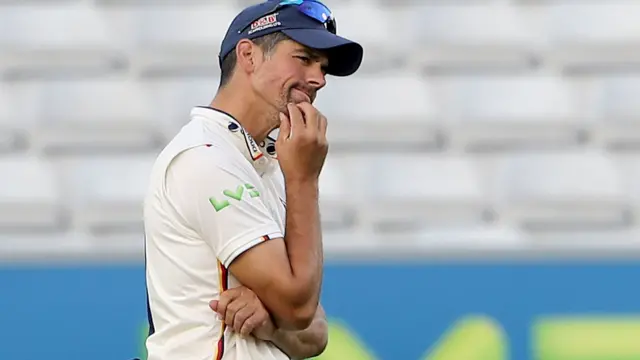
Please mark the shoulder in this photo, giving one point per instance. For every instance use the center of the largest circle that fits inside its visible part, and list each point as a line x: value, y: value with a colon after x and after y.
x: 209, y: 162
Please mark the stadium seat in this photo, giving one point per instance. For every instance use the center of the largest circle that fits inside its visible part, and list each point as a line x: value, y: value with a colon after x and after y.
x: 6, y: 131
x: 338, y: 196
x: 69, y: 246
x: 593, y: 36
x: 561, y: 192
x: 371, y: 26
x: 107, y: 193
x: 628, y: 166
x: 180, y: 40
x: 382, y: 112
x: 97, y: 115
x: 468, y: 242
x: 29, y: 196
x: 513, y: 112
x: 17, y: 247
x: 69, y: 40
x: 107, y: 82
x: 476, y: 36
x: 173, y: 99
x: 412, y: 192
x: 426, y: 244
x: 11, y: 137
x: 108, y: 3
x: 615, y: 104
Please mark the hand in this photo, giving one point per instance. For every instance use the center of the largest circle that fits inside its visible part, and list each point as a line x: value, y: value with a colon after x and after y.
x: 302, y: 142
x: 241, y: 310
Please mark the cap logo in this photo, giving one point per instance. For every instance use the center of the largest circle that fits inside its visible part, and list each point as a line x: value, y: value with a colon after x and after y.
x: 265, y: 22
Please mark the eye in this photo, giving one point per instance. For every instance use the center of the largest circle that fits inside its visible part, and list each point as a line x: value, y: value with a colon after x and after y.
x: 304, y: 59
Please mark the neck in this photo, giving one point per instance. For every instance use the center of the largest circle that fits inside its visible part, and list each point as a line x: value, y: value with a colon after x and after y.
x: 250, y: 111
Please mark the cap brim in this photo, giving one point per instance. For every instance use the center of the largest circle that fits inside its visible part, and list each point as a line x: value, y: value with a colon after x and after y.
x: 345, y: 56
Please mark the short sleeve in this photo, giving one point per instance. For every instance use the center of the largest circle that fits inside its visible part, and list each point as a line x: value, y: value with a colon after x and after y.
x: 222, y: 200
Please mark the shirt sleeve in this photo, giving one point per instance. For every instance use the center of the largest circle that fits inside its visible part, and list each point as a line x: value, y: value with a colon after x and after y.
x: 222, y: 201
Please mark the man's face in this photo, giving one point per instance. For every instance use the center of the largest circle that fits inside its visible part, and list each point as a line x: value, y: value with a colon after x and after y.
x: 291, y: 73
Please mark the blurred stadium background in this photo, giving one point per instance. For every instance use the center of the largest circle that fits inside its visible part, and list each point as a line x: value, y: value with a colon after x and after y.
x: 480, y: 200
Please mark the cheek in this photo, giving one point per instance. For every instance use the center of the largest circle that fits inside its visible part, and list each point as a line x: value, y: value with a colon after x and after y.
x: 268, y: 80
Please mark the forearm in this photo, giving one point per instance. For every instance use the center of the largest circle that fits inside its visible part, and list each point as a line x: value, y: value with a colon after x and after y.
x: 303, y: 239
x: 306, y: 343
x: 287, y: 275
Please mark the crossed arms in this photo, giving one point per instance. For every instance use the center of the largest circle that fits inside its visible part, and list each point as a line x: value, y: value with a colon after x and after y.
x: 280, y: 302
x: 286, y: 273
x: 282, y: 276
x: 243, y: 312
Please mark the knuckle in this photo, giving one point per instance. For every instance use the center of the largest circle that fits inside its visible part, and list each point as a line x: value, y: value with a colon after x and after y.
x: 246, y: 329
x: 232, y: 291
x: 234, y: 307
x: 261, y: 316
x: 240, y: 320
x: 227, y: 295
x: 305, y: 137
x: 250, y: 323
x: 239, y: 317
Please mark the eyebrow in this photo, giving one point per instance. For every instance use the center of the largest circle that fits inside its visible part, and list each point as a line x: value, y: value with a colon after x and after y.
x: 314, y: 55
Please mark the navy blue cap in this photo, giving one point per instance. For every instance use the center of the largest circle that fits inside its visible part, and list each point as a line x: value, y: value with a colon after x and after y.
x: 345, y: 56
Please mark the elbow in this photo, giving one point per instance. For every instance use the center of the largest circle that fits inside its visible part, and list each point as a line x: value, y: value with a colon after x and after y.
x: 297, y: 309
x: 299, y: 317
x: 322, y: 341
x: 321, y: 348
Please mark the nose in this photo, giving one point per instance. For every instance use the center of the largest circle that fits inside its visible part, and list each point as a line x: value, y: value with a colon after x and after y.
x: 316, y: 77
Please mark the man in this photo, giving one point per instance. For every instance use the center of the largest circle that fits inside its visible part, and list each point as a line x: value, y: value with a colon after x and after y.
x: 229, y: 224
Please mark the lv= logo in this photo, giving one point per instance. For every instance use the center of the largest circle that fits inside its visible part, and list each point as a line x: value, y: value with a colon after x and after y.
x: 237, y: 195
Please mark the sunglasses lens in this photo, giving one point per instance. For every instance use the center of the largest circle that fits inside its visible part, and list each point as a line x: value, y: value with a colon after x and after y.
x: 319, y: 12
x: 291, y: 2
x: 332, y: 26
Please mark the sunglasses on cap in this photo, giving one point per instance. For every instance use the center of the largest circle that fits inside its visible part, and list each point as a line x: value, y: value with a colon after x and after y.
x: 311, y: 8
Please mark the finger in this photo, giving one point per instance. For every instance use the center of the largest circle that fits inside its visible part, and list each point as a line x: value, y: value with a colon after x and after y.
x: 310, y: 115
x: 225, y: 299
x: 285, y: 128
x: 213, y: 304
x: 232, y: 311
x: 296, y: 118
x: 323, y: 125
x: 251, y: 324
x: 242, y: 317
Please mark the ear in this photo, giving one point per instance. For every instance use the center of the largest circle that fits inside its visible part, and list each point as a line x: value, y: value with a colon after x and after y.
x: 247, y: 54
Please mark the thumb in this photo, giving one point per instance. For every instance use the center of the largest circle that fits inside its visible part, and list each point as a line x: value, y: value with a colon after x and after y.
x: 285, y: 128
x: 213, y: 304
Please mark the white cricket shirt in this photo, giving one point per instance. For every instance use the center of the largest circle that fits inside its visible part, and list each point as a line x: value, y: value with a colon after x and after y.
x: 214, y: 193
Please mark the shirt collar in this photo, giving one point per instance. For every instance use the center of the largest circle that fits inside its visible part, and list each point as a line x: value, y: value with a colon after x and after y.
x: 259, y: 155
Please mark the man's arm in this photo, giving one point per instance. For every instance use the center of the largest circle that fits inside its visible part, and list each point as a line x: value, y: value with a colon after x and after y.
x: 286, y: 274
x: 245, y: 314
x: 285, y: 271
x: 307, y: 343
